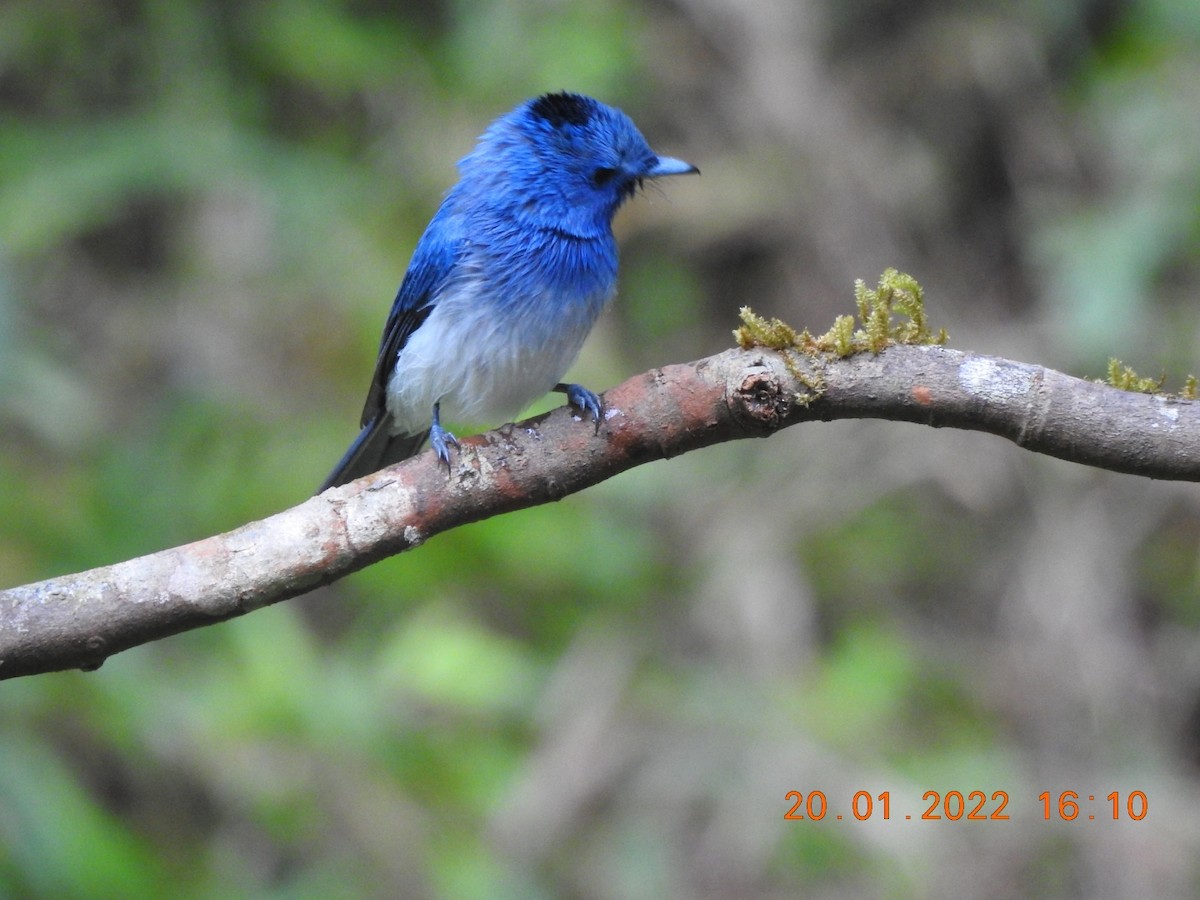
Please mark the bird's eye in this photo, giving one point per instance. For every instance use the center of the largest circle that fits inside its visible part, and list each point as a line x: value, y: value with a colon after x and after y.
x: 603, y: 175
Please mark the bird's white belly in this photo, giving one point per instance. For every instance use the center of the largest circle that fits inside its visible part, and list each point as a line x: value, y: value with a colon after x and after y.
x: 484, y: 365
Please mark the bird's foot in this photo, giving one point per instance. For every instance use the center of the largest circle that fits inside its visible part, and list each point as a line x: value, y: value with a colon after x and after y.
x: 584, y: 400
x: 440, y: 439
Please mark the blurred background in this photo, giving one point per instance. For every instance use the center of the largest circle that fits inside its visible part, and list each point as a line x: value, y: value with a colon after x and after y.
x: 205, y: 210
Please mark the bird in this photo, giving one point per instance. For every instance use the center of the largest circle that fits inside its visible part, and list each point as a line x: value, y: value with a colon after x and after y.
x: 507, y: 279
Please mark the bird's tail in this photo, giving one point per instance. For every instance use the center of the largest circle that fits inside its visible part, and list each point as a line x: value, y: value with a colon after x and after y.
x: 372, y: 450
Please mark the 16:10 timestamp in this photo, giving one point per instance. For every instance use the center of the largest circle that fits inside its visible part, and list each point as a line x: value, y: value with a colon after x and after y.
x: 1066, y: 806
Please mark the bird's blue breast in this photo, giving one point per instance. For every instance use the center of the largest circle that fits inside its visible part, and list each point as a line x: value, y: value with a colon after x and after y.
x: 524, y: 262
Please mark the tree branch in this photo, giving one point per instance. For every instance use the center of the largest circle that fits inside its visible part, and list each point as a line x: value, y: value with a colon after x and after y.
x: 77, y: 621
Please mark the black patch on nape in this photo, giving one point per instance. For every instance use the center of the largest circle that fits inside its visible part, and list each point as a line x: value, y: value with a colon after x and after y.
x: 563, y: 109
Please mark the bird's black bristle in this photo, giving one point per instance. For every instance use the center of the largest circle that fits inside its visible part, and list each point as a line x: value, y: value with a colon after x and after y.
x: 563, y: 109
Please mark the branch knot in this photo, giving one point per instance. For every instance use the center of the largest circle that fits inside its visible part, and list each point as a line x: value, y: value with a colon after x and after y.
x: 761, y: 402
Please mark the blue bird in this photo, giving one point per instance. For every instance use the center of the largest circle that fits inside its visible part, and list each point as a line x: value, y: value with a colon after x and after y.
x: 507, y: 280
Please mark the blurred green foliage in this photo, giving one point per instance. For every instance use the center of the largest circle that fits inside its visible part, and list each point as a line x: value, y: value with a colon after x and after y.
x: 204, y: 209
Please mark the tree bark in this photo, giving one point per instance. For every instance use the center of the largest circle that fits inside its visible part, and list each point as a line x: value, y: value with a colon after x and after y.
x: 77, y: 621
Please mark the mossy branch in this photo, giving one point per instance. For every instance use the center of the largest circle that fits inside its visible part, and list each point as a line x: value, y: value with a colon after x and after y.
x: 892, y: 313
x: 1124, y: 378
x: 886, y: 363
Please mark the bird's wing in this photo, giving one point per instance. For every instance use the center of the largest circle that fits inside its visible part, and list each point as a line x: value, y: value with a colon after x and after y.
x: 435, y: 261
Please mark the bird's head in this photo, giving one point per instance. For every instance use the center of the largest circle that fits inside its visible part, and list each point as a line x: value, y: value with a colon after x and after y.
x: 565, y: 161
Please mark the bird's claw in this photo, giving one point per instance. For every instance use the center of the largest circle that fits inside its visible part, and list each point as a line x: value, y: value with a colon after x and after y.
x: 585, y: 401
x: 441, y: 441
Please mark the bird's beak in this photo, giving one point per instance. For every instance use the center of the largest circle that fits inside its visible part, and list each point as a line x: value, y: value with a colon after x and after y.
x: 667, y: 165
